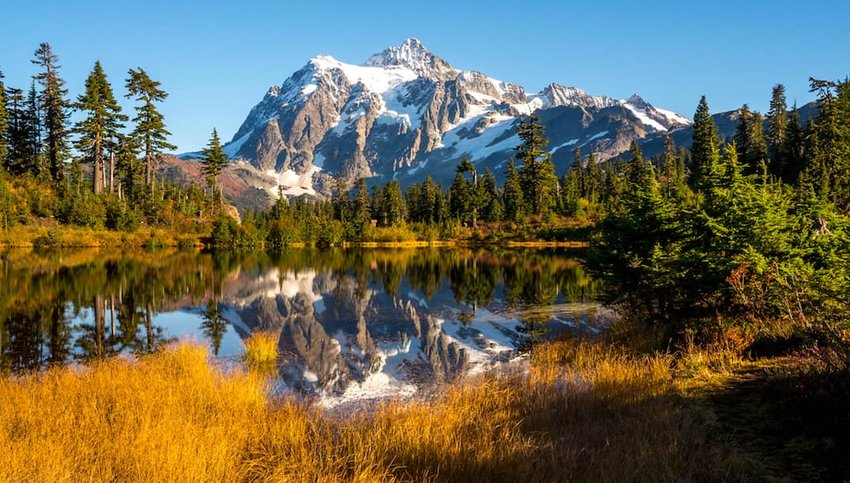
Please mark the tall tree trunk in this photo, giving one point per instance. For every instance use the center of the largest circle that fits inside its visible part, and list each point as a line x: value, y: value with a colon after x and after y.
x: 98, y: 167
x: 111, y: 172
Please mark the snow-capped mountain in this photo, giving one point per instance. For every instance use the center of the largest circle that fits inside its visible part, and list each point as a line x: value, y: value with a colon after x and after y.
x: 406, y: 113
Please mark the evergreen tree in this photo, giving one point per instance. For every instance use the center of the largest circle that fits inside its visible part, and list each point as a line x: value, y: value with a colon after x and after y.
x: 794, y: 149
x: 4, y: 124
x: 777, y: 131
x: 129, y: 168
x: 34, y: 134
x: 514, y: 200
x: 537, y: 175
x: 393, y: 210
x: 54, y: 106
x: 213, y: 160
x: 592, y: 179
x: 742, y: 131
x: 669, y: 163
x: 828, y: 170
x: 704, y: 149
x: 19, y: 155
x: 362, y: 207
x: 571, y: 190
x: 492, y: 209
x: 100, y: 128
x: 461, y: 197
x: 429, y: 201
x: 150, y: 132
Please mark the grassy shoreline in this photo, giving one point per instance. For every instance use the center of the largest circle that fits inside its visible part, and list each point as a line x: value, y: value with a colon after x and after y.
x: 582, y: 411
x: 154, y: 238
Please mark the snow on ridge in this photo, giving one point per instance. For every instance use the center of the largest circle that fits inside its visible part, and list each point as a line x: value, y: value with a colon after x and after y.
x: 233, y: 147
x: 644, y: 118
x: 292, y: 183
x: 375, y: 79
x: 674, y: 117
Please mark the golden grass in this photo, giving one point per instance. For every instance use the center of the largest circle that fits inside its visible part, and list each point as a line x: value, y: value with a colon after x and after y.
x: 76, y: 237
x: 261, y: 351
x: 581, y: 412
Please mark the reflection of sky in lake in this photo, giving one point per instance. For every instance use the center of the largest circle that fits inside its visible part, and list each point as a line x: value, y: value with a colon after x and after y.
x: 349, y: 326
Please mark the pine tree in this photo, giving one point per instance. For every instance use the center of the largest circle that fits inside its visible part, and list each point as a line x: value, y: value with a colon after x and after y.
x: 704, y: 150
x: 33, y: 133
x: 150, y: 132
x: 492, y: 209
x: 129, y: 168
x: 828, y: 153
x: 362, y: 207
x: 4, y: 124
x: 54, y: 106
x: 213, y: 160
x: 592, y: 179
x: 794, y: 148
x: 571, y: 190
x: 429, y: 201
x: 514, y: 200
x: 537, y: 174
x: 461, y: 198
x: 100, y: 128
x: 742, y: 130
x: 17, y: 156
x: 393, y: 209
x: 777, y: 131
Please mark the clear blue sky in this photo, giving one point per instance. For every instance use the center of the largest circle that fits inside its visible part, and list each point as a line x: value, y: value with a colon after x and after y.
x: 217, y: 59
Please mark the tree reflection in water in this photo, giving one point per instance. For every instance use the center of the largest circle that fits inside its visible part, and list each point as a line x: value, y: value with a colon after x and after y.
x: 343, y: 317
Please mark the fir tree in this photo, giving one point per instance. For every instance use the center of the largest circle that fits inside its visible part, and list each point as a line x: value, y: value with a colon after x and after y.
x: 100, y: 128
x: 492, y: 198
x: 18, y: 134
x: 777, y: 131
x: 704, y: 149
x: 514, y: 200
x: 54, y: 106
x: 828, y: 153
x: 4, y: 124
x: 213, y: 160
x: 742, y: 130
x: 794, y: 149
x: 150, y: 132
x: 362, y: 207
x: 393, y: 209
x: 537, y: 174
x: 35, y: 134
x: 429, y: 201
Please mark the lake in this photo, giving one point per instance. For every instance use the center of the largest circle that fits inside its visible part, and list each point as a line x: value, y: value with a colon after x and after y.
x: 351, y: 324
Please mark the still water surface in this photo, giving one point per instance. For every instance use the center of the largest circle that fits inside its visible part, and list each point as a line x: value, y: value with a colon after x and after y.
x: 350, y: 324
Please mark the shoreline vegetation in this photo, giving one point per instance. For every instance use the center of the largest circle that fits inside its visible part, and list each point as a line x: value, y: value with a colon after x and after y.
x: 43, y: 237
x: 580, y: 410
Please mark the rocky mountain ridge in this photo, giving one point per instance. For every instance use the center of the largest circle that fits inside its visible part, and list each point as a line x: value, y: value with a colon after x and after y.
x: 406, y: 113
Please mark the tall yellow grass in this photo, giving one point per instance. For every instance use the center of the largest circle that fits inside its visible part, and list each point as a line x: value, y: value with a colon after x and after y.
x: 261, y: 351
x: 579, y: 413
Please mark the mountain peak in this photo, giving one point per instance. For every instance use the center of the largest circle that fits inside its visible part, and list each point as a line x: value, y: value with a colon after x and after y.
x: 557, y: 95
x: 413, y: 55
x: 637, y: 101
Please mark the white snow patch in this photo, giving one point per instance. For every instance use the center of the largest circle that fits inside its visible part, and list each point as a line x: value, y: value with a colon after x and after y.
x: 293, y: 183
x: 645, y: 119
x: 376, y: 79
x: 232, y: 148
x: 595, y: 137
x: 568, y: 143
x: 673, y: 117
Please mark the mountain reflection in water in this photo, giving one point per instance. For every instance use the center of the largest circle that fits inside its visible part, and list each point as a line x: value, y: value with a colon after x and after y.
x: 350, y: 324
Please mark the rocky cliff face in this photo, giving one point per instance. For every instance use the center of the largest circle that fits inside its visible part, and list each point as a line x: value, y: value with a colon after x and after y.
x: 406, y: 112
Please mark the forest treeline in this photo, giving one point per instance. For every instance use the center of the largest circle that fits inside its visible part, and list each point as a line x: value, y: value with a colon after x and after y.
x: 98, y: 172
